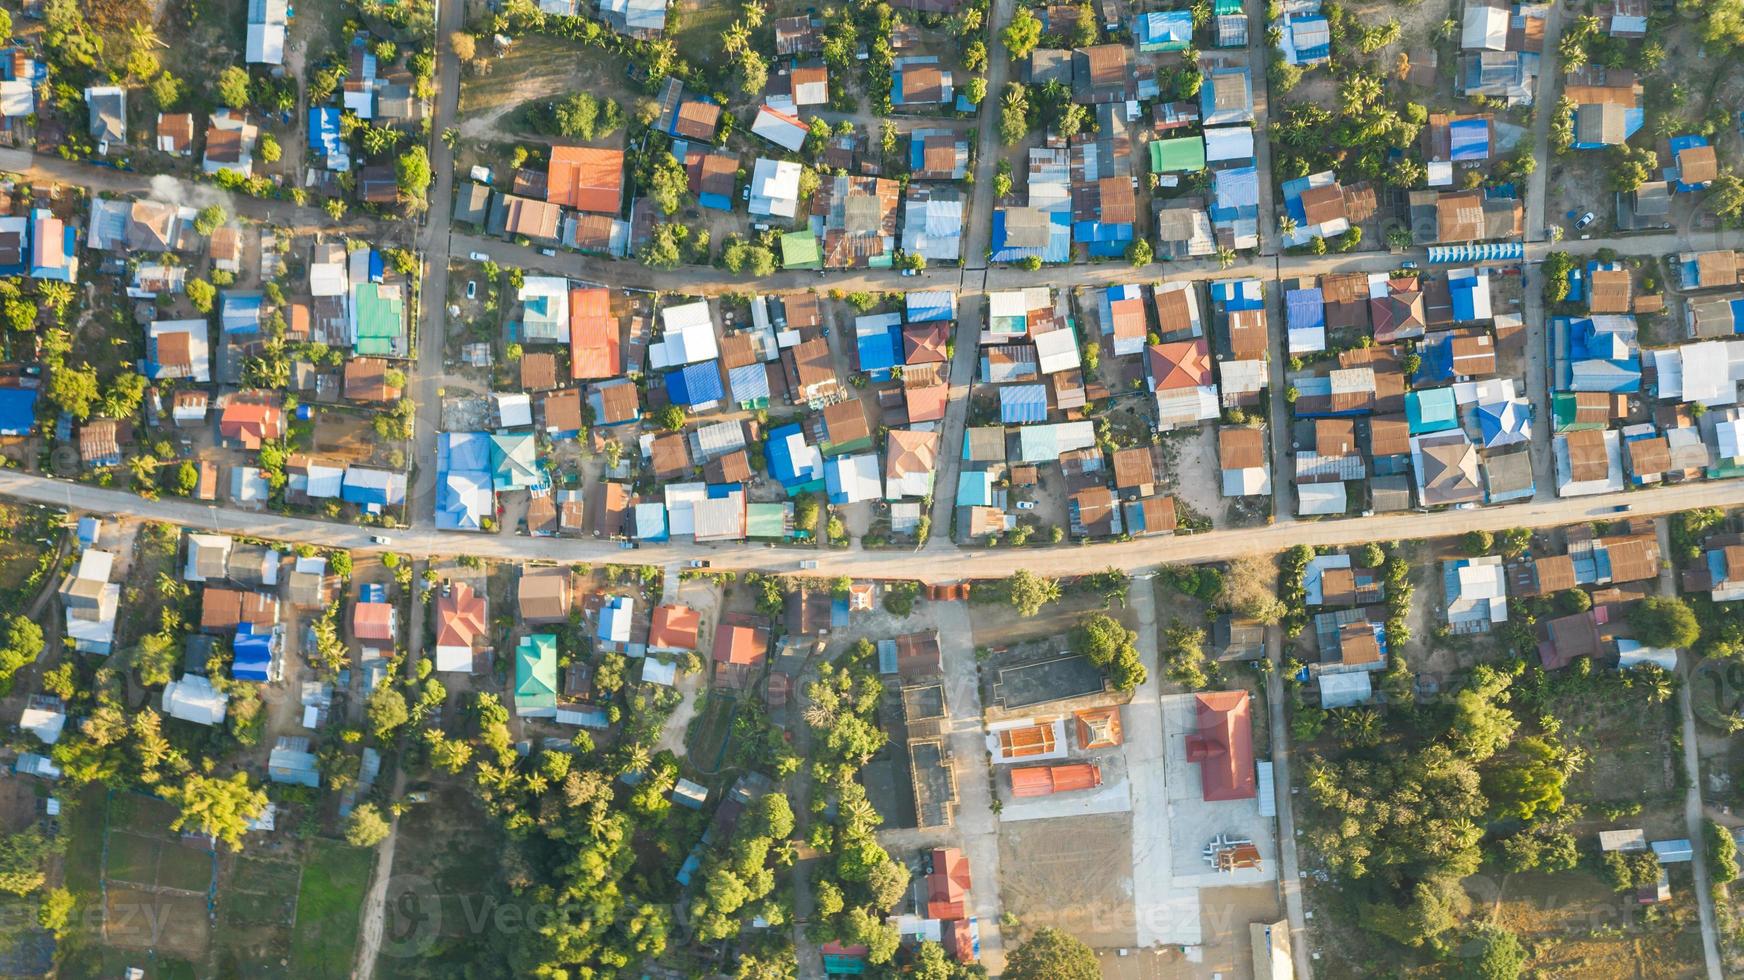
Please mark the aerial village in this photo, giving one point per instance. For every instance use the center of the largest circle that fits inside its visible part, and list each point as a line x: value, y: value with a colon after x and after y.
x: 909, y: 488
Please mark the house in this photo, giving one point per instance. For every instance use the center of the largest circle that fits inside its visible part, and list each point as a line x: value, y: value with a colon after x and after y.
x: 775, y: 188
x: 1222, y: 746
x: 1235, y: 207
x: 230, y: 141
x: 933, y: 223
x: 1446, y: 467
x: 1305, y: 36
x: 512, y: 216
x: 1588, y: 461
x: 292, y: 763
x: 265, y: 41
x: 947, y: 886
x: 465, y: 498
x: 1179, y: 376
x: 54, y: 247
x: 781, y: 128
x: 107, y: 105
x: 586, y: 179
x: 543, y: 594
x: 1241, y: 454
x: 739, y: 642
x: 594, y: 343
x: 1168, y: 30
x: 1183, y: 229
x: 1695, y: 162
x: 370, y: 379
x: 1608, y: 108
x: 193, y: 699
x: 1316, y: 204
x: 640, y: 19
x: 857, y: 218
x: 535, y: 692
x: 460, y: 625
x: 249, y: 423
x: 851, y: 479
x: 1476, y: 591
x: 1226, y: 96
x: 177, y: 350
x: 938, y: 154
x: 674, y: 629
x: 90, y: 601
x: 919, y: 81
x: 910, y: 461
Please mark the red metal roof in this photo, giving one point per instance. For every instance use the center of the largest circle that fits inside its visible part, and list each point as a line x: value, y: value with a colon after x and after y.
x: 1223, y: 746
x: 948, y: 885
x: 586, y: 179
x: 593, y: 335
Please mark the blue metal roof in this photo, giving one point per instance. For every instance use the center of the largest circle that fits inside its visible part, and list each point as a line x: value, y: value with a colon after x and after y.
x: 781, y: 464
x: 239, y: 312
x: 1058, y: 249
x: 695, y: 384
x: 252, y: 655
x: 324, y: 130
x: 1305, y: 309
x: 1492, y: 252
x: 1021, y: 404
x: 1238, y: 194
x: 1238, y: 294
x: 931, y: 305
x: 17, y: 411
x: 1469, y: 139
x: 880, y: 350
x: 750, y: 383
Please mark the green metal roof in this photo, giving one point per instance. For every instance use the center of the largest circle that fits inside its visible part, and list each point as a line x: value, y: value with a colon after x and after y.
x: 1184, y: 154
x: 536, y: 672
x: 381, y: 318
x: 766, y: 520
x: 799, y: 250
x: 514, y: 460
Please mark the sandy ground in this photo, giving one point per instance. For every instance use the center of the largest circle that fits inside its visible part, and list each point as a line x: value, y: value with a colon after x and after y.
x: 1196, y: 478
x: 1072, y: 873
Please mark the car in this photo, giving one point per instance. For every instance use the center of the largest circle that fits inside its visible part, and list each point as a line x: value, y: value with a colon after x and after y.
x: 625, y: 545
x: 808, y: 563
x: 548, y: 251
x: 478, y: 256
x: 1585, y: 219
x: 1622, y: 508
x: 381, y: 539
x: 909, y: 272
x: 1408, y: 264
x: 698, y: 563
x: 471, y: 288
x: 1026, y: 505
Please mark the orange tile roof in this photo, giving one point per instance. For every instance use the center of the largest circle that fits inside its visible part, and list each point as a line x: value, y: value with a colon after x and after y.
x: 593, y: 335
x: 1183, y: 364
x: 586, y: 179
x: 674, y: 627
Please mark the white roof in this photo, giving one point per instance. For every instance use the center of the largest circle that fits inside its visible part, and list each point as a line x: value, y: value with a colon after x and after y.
x: 193, y: 699
x: 95, y: 565
x: 719, y: 518
x: 859, y: 477
x: 689, y: 336
x: 514, y: 409
x: 1343, y: 690
x: 779, y: 128
x: 1630, y: 653
x: 329, y: 279
x: 1440, y: 173
x: 681, y: 501
x: 1485, y: 27
x: 17, y: 98
x: 1324, y: 499
x: 266, y: 44
x: 1057, y: 350
x: 775, y: 187
x: 1229, y: 143
x: 44, y: 718
x: 657, y: 671
x: 1254, y: 481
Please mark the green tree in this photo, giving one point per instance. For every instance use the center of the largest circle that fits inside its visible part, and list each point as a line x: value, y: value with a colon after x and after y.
x: 1052, y: 955
x: 365, y: 826
x: 1477, y: 543
x: 74, y: 390
x: 1664, y: 621
x: 387, y: 711
x: 1029, y: 592
x: 210, y: 219
x: 1526, y: 780
x: 670, y: 418
x: 1492, y: 953
x: 233, y: 87
x: 1014, y: 114
x: 1021, y: 36
x: 219, y: 808
x: 1722, y: 853
x: 201, y: 294
x: 21, y: 858
x: 55, y: 912
x: 412, y: 172
x: 1436, y: 906
x: 667, y: 183
x: 1139, y: 253
x: 269, y: 149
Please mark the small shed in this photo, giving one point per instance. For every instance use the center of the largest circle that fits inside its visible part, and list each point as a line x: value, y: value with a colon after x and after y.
x: 689, y: 794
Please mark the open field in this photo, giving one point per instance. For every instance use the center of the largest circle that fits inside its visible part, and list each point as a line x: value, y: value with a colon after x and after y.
x: 1072, y: 873
x: 536, y: 68
x: 334, y: 879
x: 446, y: 865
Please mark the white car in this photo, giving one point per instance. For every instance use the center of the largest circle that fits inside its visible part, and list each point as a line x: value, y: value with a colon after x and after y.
x: 471, y: 288
x: 1026, y: 505
x: 381, y: 539
x: 478, y: 257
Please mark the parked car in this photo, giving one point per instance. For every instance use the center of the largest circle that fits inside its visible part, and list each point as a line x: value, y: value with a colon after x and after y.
x: 1585, y: 219
x: 547, y: 251
x: 698, y: 563
x: 381, y: 539
x: 808, y: 563
x: 1026, y: 505
x: 1622, y: 508
x: 478, y: 257
x: 471, y: 288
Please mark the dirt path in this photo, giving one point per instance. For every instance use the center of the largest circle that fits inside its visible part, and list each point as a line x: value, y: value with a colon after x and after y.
x: 678, y: 723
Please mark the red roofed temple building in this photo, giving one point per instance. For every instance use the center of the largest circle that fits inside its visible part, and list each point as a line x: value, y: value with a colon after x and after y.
x: 1223, y: 746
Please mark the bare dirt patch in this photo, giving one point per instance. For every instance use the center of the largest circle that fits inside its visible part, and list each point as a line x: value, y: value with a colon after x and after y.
x: 1072, y: 873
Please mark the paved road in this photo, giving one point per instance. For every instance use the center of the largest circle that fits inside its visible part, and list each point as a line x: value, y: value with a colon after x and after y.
x: 420, y: 501
x: 1289, y: 867
x: 945, y: 563
x: 1549, y: 72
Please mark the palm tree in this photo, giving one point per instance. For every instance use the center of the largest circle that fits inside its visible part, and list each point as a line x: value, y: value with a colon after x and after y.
x: 1287, y: 226
x: 1225, y: 256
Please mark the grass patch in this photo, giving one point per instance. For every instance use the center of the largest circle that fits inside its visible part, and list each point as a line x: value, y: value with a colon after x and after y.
x: 708, y: 741
x: 335, y: 877
x: 539, y: 67
x: 453, y: 844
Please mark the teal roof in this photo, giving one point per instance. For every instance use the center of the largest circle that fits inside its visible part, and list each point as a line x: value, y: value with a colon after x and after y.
x: 381, y: 318
x: 536, y: 673
x: 1432, y: 410
x: 514, y: 461
x: 766, y: 520
x: 799, y: 250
